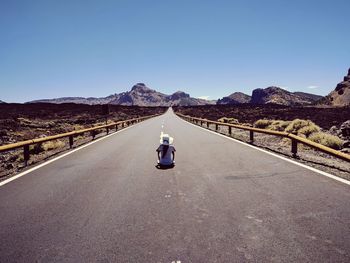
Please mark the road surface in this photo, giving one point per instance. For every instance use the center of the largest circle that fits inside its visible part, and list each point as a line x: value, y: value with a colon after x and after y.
x: 222, y: 202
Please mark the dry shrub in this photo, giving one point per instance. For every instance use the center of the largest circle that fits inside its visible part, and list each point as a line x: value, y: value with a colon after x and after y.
x: 278, y: 125
x: 51, y: 145
x: 45, y: 146
x: 262, y: 124
x: 24, y: 121
x: 308, y: 130
x: 302, y: 127
x: 326, y: 140
x: 36, y: 148
x: 79, y: 137
x: 78, y: 127
x: 20, y: 158
x: 228, y: 120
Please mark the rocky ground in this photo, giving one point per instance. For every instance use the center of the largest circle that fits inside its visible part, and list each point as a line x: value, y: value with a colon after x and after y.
x: 325, y: 117
x: 331, y: 120
x: 19, y: 122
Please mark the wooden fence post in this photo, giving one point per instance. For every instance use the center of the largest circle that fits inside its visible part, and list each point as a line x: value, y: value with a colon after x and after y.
x: 93, y: 134
x: 71, y: 141
x: 294, y: 148
x: 208, y: 124
x: 251, y: 136
x: 216, y: 127
x: 26, y: 154
x: 229, y: 130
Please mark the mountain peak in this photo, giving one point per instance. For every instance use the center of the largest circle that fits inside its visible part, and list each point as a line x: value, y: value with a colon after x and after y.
x: 179, y: 95
x: 140, y: 87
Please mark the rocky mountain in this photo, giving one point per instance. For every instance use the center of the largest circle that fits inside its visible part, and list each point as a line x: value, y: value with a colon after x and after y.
x: 312, y: 97
x: 276, y: 95
x: 2, y: 101
x: 340, y: 96
x: 235, y: 98
x: 77, y: 100
x: 139, y: 95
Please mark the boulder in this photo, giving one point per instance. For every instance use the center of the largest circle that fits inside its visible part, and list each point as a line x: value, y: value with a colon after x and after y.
x: 334, y: 130
x: 345, y: 129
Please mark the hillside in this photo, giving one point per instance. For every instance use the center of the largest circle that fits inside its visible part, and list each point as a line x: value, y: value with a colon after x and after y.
x: 340, y: 96
x: 276, y: 95
x: 235, y: 98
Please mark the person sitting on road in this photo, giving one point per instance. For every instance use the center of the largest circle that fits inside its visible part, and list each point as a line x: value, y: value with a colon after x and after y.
x: 166, y: 151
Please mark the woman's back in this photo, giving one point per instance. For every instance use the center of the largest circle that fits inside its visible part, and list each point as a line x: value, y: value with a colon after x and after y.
x: 166, y: 154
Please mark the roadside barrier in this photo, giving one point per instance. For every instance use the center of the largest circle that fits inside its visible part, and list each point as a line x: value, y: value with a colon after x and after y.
x: 294, y: 138
x: 70, y: 136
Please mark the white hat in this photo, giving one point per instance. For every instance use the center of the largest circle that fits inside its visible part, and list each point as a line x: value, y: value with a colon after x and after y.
x: 166, y: 139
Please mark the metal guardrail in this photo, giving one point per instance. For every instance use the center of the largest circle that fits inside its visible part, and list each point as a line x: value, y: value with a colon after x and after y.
x: 294, y: 138
x: 70, y: 135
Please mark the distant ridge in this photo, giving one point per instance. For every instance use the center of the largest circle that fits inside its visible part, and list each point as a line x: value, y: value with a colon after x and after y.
x: 77, y: 100
x: 139, y: 95
x: 2, y: 101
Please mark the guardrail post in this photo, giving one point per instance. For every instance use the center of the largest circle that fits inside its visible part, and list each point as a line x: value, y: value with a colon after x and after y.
x: 107, y: 129
x: 71, y: 141
x: 294, y: 148
x: 216, y: 127
x: 26, y: 154
x: 93, y: 134
x: 116, y: 127
x: 201, y: 123
x: 251, y: 136
x: 208, y: 124
x: 229, y: 130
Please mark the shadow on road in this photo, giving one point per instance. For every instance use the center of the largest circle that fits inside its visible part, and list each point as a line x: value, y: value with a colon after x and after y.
x: 164, y: 167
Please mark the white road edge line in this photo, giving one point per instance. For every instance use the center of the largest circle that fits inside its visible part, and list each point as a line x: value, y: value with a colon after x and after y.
x: 276, y: 155
x: 61, y: 156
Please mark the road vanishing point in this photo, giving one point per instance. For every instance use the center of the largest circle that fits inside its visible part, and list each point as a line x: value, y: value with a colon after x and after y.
x: 223, y: 202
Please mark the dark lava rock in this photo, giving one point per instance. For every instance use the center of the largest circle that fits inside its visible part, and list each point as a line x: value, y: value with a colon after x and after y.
x: 345, y: 129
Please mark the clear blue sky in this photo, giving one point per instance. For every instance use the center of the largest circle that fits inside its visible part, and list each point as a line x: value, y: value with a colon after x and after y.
x: 206, y: 48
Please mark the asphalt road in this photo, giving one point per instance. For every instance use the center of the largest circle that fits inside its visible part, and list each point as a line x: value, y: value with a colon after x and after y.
x: 222, y: 202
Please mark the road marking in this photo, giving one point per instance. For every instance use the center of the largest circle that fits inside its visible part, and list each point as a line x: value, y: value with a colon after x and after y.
x: 61, y: 156
x: 276, y: 155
